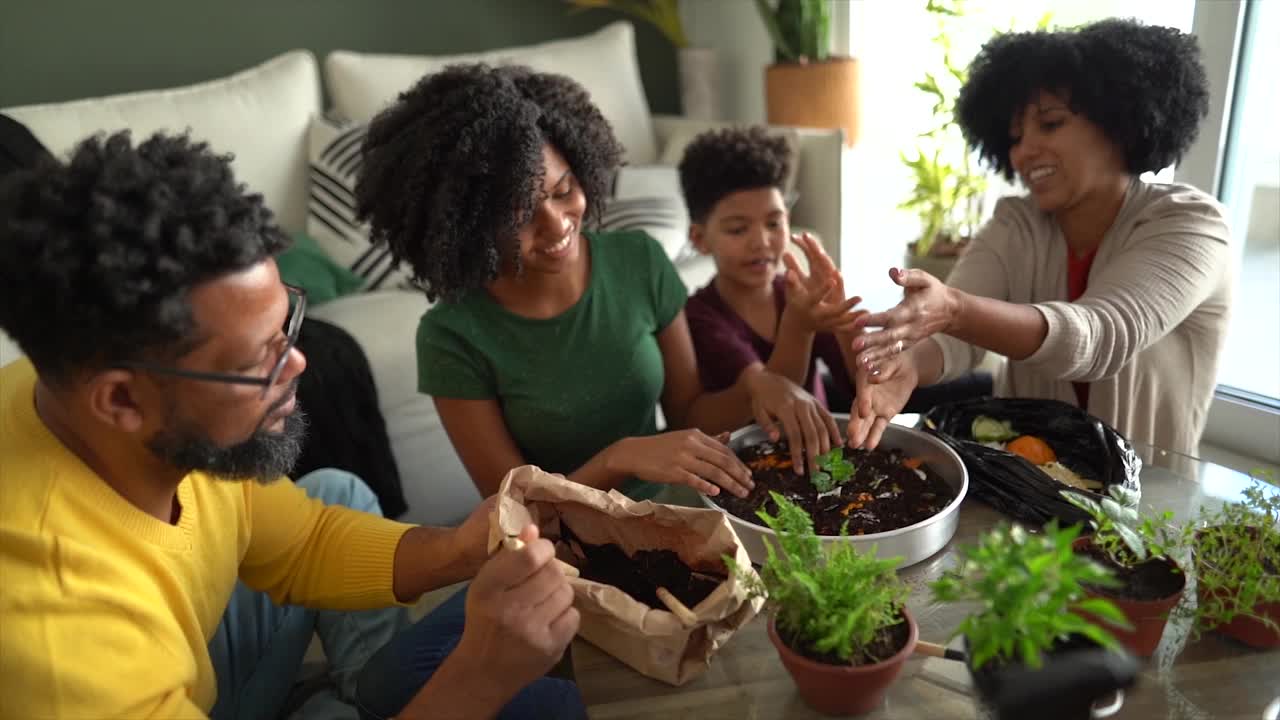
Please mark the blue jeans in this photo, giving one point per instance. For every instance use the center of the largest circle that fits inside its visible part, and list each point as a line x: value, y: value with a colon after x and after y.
x: 259, y: 647
x: 396, y: 673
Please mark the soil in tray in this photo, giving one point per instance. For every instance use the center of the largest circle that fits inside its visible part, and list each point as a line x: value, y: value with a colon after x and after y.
x: 641, y: 575
x: 883, y: 494
x: 1151, y: 580
x: 886, y: 644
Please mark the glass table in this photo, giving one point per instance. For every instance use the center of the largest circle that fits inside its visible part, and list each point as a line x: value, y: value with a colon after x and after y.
x: 1211, y: 677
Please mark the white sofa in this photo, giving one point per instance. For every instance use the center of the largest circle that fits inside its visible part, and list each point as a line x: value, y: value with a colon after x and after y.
x: 262, y: 116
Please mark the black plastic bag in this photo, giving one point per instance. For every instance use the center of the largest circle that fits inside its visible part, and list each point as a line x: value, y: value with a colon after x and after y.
x: 1014, y: 486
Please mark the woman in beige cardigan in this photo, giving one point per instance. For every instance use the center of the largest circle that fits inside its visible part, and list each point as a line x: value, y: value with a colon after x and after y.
x: 1101, y: 289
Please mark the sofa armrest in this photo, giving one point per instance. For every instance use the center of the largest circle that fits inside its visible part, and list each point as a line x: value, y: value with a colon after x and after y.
x: 819, y: 180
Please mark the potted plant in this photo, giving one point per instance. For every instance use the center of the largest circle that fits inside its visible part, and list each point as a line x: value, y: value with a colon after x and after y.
x: 1136, y: 550
x: 1031, y: 604
x: 806, y: 85
x: 949, y: 188
x: 1236, y: 556
x: 839, y: 619
x: 699, y: 68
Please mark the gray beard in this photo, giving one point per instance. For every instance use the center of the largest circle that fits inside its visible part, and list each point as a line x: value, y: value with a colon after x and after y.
x: 263, y: 457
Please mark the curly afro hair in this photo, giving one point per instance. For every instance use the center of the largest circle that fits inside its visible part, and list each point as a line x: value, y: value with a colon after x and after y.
x: 721, y: 162
x: 1143, y: 85
x: 453, y: 169
x: 98, y: 254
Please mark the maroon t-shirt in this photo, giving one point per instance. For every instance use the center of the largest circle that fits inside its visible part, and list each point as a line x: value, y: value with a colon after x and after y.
x: 726, y: 344
x: 1077, y: 283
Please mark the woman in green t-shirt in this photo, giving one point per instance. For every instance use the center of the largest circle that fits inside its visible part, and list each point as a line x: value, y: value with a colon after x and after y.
x: 552, y: 345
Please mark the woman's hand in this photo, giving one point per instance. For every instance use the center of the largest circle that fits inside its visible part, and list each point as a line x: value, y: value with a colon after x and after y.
x: 817, y: 298
x: 881, y: 393
x: 928, y: 306
x: 682, y: 457
x: 810, y: 429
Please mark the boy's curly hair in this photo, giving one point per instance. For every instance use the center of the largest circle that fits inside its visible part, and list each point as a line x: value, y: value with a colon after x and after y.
x: 1143, y: 85
x: 721, y: 162
x: 98, y: 254
x: 452, y: 170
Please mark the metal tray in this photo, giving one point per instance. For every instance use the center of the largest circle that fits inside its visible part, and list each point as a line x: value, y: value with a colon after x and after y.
x: 912, y: 543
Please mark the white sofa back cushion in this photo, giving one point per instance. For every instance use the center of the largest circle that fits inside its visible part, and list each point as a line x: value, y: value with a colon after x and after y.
x: 604, y: 62
x: 260, y: 115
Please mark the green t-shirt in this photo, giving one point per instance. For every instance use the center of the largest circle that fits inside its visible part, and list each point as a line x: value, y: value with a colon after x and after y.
x: 571, y: 385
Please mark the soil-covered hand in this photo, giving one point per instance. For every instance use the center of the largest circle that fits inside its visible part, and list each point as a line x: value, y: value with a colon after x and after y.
x: 817, y: 298
x: 878, y: 398
x: 519, y: 615
x: 810, y: 429
x: 683, y: 457
x: 928, y: 306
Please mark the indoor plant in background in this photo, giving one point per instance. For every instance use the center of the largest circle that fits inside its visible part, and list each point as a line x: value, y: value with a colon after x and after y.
x: 1236, y: 555
x: 1137, y: 550
x: 839, y: 619
x: 1029, y: 589
x: 699, y: 67
x: 949, y: 186
x: 806, y: 85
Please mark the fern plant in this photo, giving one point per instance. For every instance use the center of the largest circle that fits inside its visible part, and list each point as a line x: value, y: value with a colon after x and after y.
x: 1236, y: 552
x: 1125, y: 537
x: 1029, y: 589
x: 832, y: 471
x: 833, y: 601
x: 800, y: 29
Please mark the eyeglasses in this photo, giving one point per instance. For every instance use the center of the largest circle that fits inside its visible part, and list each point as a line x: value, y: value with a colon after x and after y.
x: 297, y: 310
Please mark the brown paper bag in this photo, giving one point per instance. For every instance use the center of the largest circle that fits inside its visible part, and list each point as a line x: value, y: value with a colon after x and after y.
x: 654, y: 642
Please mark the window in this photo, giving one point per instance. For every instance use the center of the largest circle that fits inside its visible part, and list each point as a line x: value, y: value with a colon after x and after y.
x: 1250, y: 188
x: 1237, y: 156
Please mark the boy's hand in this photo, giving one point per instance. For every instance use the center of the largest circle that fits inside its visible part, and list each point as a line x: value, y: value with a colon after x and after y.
x: 817, y: 298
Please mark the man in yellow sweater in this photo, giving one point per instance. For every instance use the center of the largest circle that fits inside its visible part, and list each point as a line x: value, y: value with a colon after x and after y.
x: 142, y: 452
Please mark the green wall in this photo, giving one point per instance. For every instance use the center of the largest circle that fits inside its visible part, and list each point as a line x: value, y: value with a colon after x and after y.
x: 52, y: 50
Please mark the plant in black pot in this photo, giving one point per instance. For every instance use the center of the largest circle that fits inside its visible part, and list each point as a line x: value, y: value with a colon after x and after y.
x: 1137, y: 550
x: 839, y: 622
x: 1029, y: 633
x: 1236, y: 555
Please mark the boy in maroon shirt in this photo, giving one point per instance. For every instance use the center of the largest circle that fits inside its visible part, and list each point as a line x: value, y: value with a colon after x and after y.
x: 751, y: 313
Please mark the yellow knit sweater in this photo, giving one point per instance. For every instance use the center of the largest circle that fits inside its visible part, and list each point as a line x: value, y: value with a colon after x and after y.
x: 106, y: 612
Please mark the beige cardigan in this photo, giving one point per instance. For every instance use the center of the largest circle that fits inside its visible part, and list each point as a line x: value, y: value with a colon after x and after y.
x: 1147, y: 332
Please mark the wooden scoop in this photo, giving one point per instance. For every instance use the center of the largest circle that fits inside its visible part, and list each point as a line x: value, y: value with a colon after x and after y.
x: 677, y: 608
x: 515, y: 543
x: 939, y: 651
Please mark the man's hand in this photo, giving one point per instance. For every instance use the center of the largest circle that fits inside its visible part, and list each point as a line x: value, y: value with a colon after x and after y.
x: 817, y: 299
x: 471, y: 538
x: 519, y: 617
x: 810, y: 429
x: 879, y: 398
x: 519, y: 620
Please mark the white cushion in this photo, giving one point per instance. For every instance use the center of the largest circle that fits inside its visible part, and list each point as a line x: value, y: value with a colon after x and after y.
x: 260, y: 115
x: 604, y: 62
x: 335, y: 162
x: 436, y: 485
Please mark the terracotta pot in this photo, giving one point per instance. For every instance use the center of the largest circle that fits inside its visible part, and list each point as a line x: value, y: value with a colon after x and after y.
x: 1148, y: 617
x: 1249, y: 630
x: 814, y: 94
x: 844, y: 689
x: 1245, y: 629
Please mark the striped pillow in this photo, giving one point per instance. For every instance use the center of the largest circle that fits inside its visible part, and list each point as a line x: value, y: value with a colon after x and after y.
x: 335, y: 161
x: 648, y: 197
